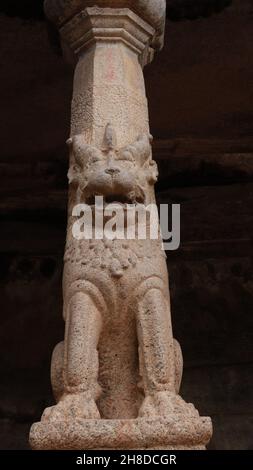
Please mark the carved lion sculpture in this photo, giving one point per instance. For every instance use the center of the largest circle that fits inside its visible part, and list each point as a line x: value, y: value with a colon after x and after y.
x: 106, y: 282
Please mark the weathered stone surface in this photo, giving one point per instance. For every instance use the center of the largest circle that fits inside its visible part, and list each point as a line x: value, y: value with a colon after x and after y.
x: 33, y: 206
x: 94, y: 25
x: 176, y: 9
x: 116, y: 377
x: 161, y: 433
x: 153, y: 11
x: 208, y: 98
x: 225, y: 391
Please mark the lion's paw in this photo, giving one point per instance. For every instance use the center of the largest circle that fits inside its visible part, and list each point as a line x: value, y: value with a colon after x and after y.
x: 164, y: 404
x: 72, y: 407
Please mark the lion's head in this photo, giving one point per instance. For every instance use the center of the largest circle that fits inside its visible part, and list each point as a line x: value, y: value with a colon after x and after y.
x: 123, y: 175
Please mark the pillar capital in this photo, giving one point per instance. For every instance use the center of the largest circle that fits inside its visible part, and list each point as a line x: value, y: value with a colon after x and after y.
x: 93, y: 25
x: 138, y: 22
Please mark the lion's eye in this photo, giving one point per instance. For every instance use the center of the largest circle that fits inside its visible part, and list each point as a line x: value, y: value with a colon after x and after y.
x: 96, y: 158
x: 126, y: 156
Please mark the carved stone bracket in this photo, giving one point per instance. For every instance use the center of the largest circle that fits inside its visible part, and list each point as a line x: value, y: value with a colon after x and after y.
x: 151, y: 11
x: 94, y: 25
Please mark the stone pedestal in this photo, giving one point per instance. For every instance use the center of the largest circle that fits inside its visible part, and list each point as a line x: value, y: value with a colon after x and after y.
x: 116, y: 376
x: 130, y: 434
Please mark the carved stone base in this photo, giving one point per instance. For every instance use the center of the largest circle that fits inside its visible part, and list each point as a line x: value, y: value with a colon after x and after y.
x: 140, y: 434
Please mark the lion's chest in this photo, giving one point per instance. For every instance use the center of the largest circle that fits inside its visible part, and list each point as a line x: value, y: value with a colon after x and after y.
x: 128, y: 261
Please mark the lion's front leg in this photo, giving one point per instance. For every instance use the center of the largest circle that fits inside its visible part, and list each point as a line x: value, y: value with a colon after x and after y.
x: 158, y: 358
x: 156, y: 345
x: 80, y: 362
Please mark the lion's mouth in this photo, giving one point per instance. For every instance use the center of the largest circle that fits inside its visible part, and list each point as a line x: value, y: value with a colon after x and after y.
x: 119, y: 199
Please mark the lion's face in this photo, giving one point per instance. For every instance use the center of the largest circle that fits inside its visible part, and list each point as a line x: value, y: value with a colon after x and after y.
x: 123, y: 176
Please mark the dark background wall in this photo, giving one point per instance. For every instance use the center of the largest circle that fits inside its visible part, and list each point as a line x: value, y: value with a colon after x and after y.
x: 201, y: 93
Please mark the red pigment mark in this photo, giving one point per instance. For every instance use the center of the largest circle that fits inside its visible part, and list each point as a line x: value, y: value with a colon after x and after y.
x: 110, y: 72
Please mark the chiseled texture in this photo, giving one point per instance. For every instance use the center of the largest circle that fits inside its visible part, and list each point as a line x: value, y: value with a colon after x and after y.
x: 161, y: 433
x: 119, y: 360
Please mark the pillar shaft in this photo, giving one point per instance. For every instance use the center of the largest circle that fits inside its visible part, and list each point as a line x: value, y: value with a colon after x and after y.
x: 116, y: 376
x: 108, y: 83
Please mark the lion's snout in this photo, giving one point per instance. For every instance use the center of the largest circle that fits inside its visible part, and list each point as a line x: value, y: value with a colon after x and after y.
x: 110, y: 181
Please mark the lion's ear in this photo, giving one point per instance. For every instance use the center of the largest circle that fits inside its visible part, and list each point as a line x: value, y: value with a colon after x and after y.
x: 73, y: 174
x: 78, y: 146
x: 153, y: 172
x: 143, y: 149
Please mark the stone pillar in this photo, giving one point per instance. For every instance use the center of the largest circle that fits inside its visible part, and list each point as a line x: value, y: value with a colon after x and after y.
x: 116, y: 376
